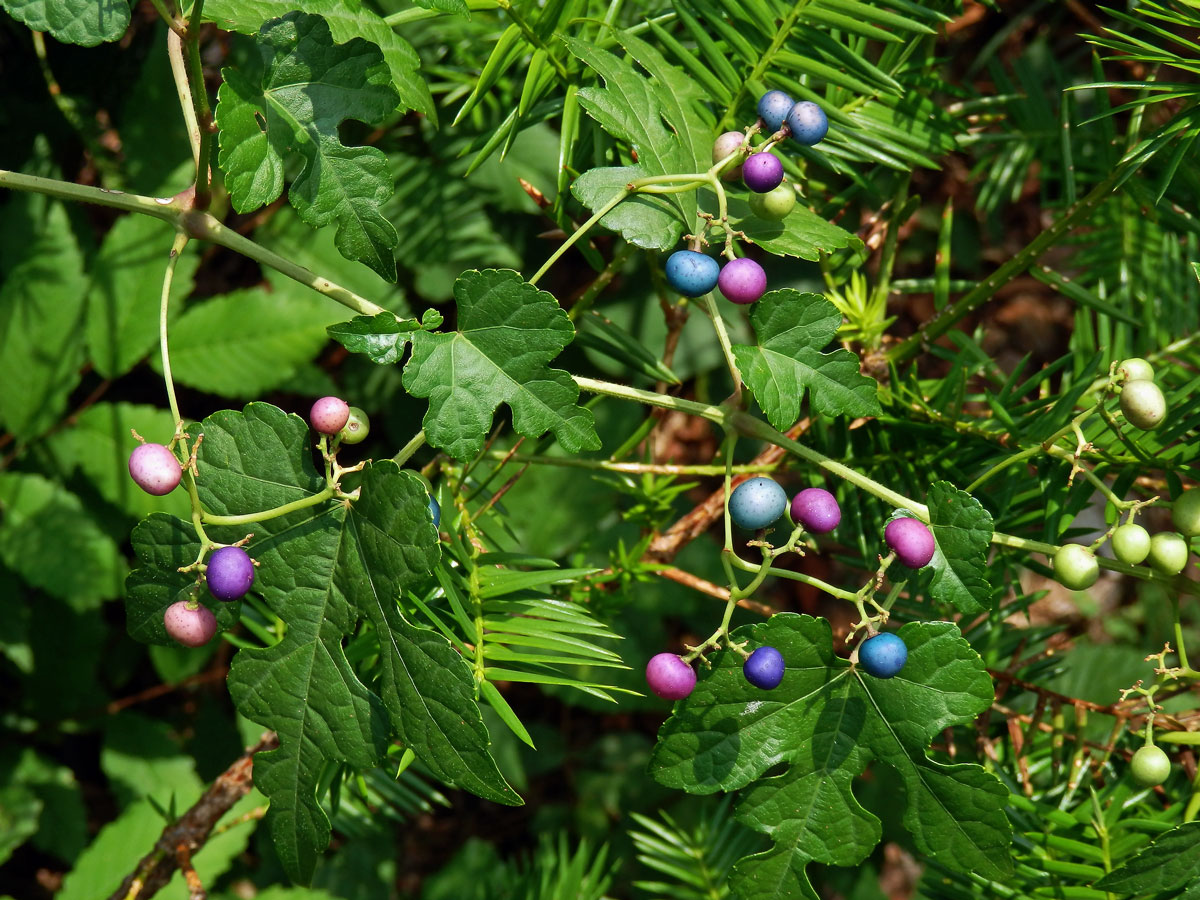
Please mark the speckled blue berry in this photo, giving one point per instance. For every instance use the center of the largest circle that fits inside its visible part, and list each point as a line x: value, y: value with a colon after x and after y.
x: 435, y: 510
x: 808, y: 123
x: 692, y: 273
x: 757, y: 503
x: 773, y: 107
x: 764, y: 668
x: 229, y: 573
x: 883, y: 655
x: 762, y: 172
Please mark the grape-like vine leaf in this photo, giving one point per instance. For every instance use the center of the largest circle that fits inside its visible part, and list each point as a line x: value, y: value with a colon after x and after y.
x: 827, y: 721
x: 321, y: 568
x: 792, y: 330
x: 962, y: 530
x: 381, y: 338
x: 637, y: 110
x: 508, y: 330
x: 347, y: 19
x: 83, y: 22
x: 309, y: 86
x: 1168, y: 864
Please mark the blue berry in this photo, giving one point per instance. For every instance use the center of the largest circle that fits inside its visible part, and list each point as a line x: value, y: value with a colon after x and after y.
x: 435, y: 510
x: 764, y: 668
x: 883, y: 655
x: 808, y: 123
x: 692, y: 273
x: 757, y: 503
x: 773, y: 108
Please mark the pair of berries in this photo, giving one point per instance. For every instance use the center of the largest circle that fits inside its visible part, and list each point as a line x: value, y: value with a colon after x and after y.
x: 334, y: 416
x: 759, y: 503
x: 806, y: 122
x: 694, y: 274
x: 229, y: 575
x: 1142, y: 401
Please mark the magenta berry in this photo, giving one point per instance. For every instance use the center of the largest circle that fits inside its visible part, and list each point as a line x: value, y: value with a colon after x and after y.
x: 911, y: 540
x: 742, y: 280
x: 230, y: 573
x: 154, y: 469
x: 669, y: 676
x: 329, y: 415
x: 817, y: 510
x: 762, y: 172
x: 192, y: 626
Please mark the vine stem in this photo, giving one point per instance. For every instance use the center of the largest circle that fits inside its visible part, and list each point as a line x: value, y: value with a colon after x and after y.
x: 202, y: 109
x: 321, y: 496
x: 196, y: 224
x: 710, y: 305
x: 571, y: 462
x: 181, y: 241
x: 179, y: 74
x: 417, y: 442
x: 579, y: 232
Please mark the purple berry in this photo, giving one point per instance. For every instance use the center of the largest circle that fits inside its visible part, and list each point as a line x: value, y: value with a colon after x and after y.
x: 329, y: 415
x: 764, y: 668
x: 669, y: 676
x: 742, y: 280
x: 230, y: 573
x: 817, y: 510
x: 911, y: 540
x: 154, y: 469
x: 191, y: 626
x: 762, y: 172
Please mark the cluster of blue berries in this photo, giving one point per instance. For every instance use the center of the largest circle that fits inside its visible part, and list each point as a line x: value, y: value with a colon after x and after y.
x: 759, y: 503
x: 742, y: 280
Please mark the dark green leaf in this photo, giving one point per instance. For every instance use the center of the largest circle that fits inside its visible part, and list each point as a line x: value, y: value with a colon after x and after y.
x: 83, y: 22
x: 508, y: 331
x: 962, y: 529
x: 1167, y: 864
x: 792, y: 330
x: 380, y: 338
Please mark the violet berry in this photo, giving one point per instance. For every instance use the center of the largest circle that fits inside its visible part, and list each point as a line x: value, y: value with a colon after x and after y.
x: 329, y: 415
x: 742, y: 280
x: 155, y: 469
x: 669, y: 676
x: 911, y: 540
x: 192, y: 626
x: 229, y: 573
x: 817, y: 510
x: 762, y: 172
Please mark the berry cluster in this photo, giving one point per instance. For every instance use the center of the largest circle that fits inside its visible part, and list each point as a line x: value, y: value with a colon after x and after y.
x: 742, y: 280
x: 757, y: 504
x: 229, y: 571
x: 1075, y: 565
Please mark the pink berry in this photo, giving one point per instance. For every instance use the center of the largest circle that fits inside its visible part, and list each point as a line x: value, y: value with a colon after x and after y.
x: 742, y: 280
x: 329, y: 415
x: 762, y: 172
x: 911, y: 540
x: 669, y: 676
x: 154, y: 469
x: 817, y: 510
x: 724, y: 145
x: 191, y: 627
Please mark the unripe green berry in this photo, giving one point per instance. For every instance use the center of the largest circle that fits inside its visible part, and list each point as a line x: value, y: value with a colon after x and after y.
x: 1168, y: 553
x: 1143, y: 404
x: 1136, y: 369
x: 775, y: 204
x: 1150, y: 766
x: 357, y: 427
x: 1185, y: 513
x: 1075, y: 567
x: 1131, y: 543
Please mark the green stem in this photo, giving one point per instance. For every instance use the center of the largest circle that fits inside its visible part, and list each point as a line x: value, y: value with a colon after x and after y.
x: 986, y: 289
x: 321, y: 496
x: 1002, y: 465
x: 826, y: 587
x: 571, y: 462
x: 164, y: 209
x: 417, y: 442
x: 578, y: 233
x: 418, y: 14
x: 710, y: 306
x: 181, y: 241
x: 172, y: 21
x: 1180, y: 647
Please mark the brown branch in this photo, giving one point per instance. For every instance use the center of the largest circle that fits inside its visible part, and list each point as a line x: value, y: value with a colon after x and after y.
x: 190, y: 831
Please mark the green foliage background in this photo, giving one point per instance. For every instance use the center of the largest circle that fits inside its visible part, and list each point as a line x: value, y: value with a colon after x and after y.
x: 1004, y: 206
